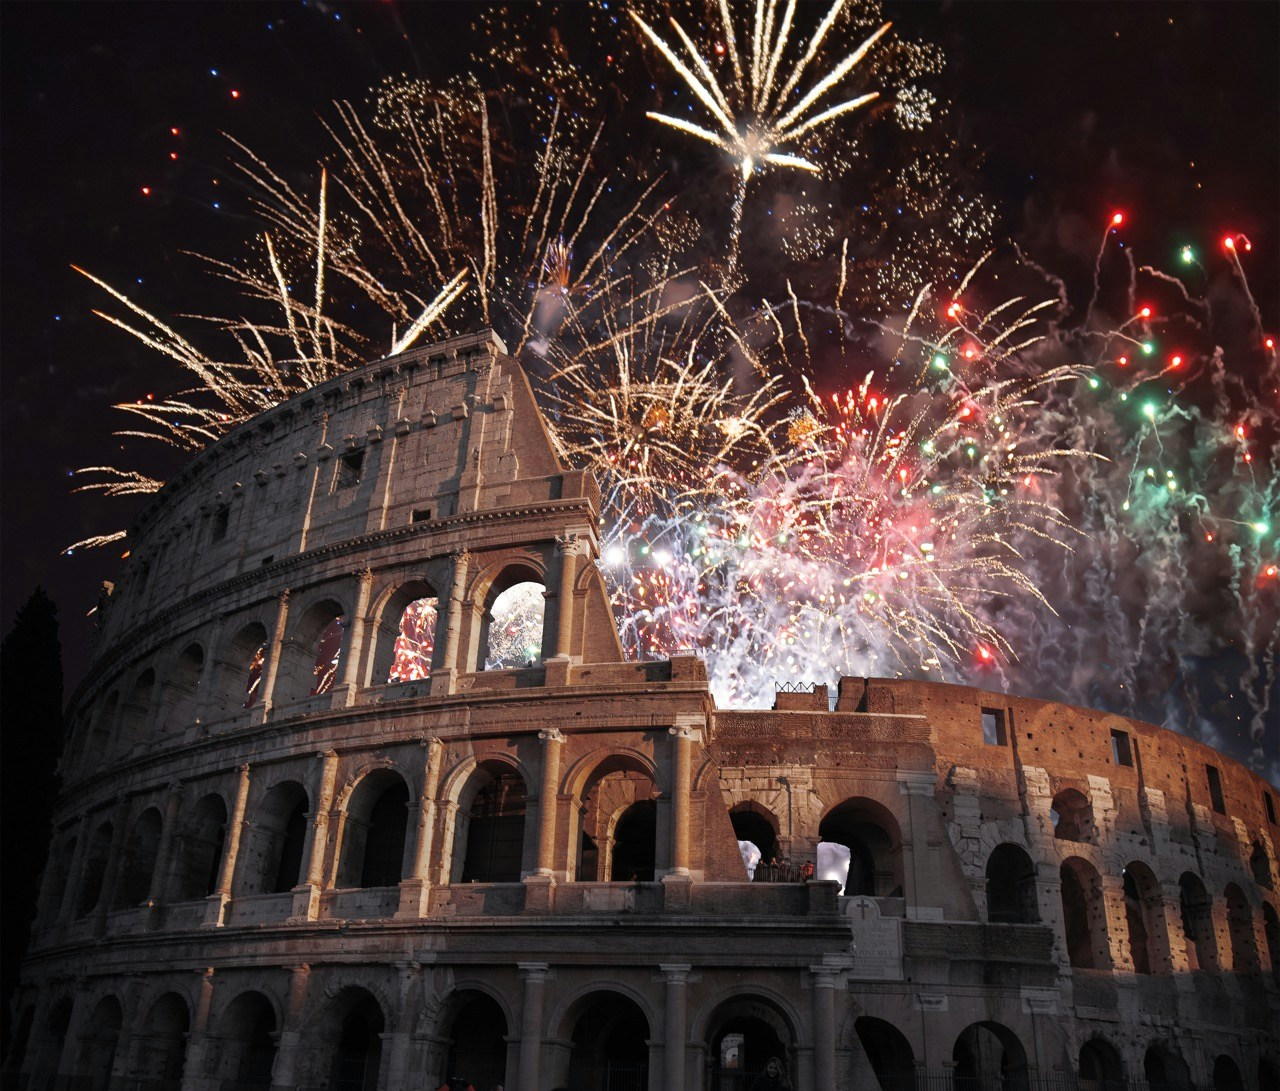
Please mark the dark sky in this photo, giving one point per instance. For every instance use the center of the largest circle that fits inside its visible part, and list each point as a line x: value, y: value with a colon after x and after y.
x: 1167, y: 110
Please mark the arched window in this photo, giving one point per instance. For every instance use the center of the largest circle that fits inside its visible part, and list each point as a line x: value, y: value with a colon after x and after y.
x: 374, y: 831
x: 183, y: 688
x: 95, y: 870
x: 754, y: 826
x: 328, y: 654
x: 274, y: 862
x: 1084, y: 915
x: 1143, y: 914
x: 513, y: 622
x: 357, y: 1057
x: 98, y: 745
x: 1101, y: 1067
x: 1164, y: 1069
x: 1011, y: 887
x: 610, y: 1047
x: 159, y: 1053
x: 989, y: 1055
x: 311, y: 659
x: 247, y: 1036
x: 494, y: 825
x: 139, y: 863
x: 1260, y: 866
x: 1244, y: 951
x: 889, y: 1054
x: 1197, y: 923
x: 198, y: 853
x: 98, y: 1039
x: 1226, y: 1074
x: 1072, y: 816
x: 870, y: 834
x: 1271, y: 926
x: 61, y: 864
x: 404, y: 648
x: 133, y: 720
x: 241, y: 669
x: 635, y: 837
x: 745, y: 1032
x: 477, y: 1040
x: 613, y: 786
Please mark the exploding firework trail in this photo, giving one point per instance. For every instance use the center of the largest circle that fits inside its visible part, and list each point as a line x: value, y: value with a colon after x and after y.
x: 753, y: 112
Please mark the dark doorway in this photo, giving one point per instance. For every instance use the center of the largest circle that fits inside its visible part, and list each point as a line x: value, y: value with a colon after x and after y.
x: 478, y: 1050
x: 634, y: 843
x: 359, y: 1054
x: 495, y: 833
x: 610, y: 1048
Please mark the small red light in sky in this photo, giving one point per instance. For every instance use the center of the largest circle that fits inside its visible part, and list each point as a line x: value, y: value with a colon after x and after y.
x: 1270, y: 342
x: 1117, y: 219
x: 953, y: 310
x: 1229, y: 242
x: 174, y: 131
x: 1123, y: 361
x: 1208, y: 537
x: 1175, y: 361
x: 1145, y: 312
x: 1240, y: 430
x: 235, y: 94
x: 146, y: 191
x: 173, y: 155
x: 965, y: 411
x: 1271, y: 570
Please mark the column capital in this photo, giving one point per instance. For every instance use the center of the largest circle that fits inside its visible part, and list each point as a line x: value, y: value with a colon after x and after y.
x: 674, y: 973
x: 824, y: 977
x: 282, y: 596
x: 535, y: 971
x: 686, y: 731
x: 551, y: 734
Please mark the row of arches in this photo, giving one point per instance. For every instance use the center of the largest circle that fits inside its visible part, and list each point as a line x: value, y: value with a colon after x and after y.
x: 406, y: 629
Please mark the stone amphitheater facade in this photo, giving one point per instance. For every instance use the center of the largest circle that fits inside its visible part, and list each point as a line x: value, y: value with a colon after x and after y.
x: 273, y: 866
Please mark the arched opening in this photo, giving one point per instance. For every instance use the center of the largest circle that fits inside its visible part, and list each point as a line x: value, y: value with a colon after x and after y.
x: 1072, y: 816
x: 1260, y: 866
x: 494, y: 821
x: 1226, y: 1074
x: 511, y: 630
x: 889, y: 1054
x: 1011, y: 886
x: 198, y: 853
x: 635, y: 841
x: 96, y: 1054
x: 870, y: 834
x: 1268, y: 1073
x: 133, y: 719
x: 248, y: 1033
x: 404, y: 650
x: 139, y: 863
x: 310, y: 660
x: 50, y: 1043
x: 328, y: 655
x: 1084, y: 915
x: 754, y: 826
x: 374, y: 831
x: 1244, y: 951
x: 1142, y: 913
x: 160, y: 1050
x: 1271, y: 926
x: 183, y: 688
x: 357, y: 1057
x: 95, y: 870
x: 477, y: 1041
x: 1197, y: 923
x: 20, y: 1040
x: 610, y: 1048
x: 1101, y: 1068
x: 614, y: 786
x: 98, y: 744
x: 746, y: 1032
x: 988, y: 1055
x: 1165, y: 1070
x: 274, y: 862
x: 242, y: 671
x: 61, y: 864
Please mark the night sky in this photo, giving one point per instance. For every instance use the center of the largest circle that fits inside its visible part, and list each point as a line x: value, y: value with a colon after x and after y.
x: 1168, y: 111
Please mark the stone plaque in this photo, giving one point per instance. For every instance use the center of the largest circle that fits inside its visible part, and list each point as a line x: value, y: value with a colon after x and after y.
x: 876, y: 943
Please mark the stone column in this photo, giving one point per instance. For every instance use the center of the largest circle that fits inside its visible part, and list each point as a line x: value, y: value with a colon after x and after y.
x: 535, y: 976
x: 355, y: 639
x: 71, y: 1042
x: 111, y: 875
x: 567, y: 551
x: 275, y: 650
x: 218, y: 901
x: 416, y: 889
x: 193, y: 1071
x: 824, y: 1025
x: 540, y: 884
x: 160, y: 876
x: 917, y: 786
x: 397, y: 1064
x: 1115, y: 921
x: 306, y: 896
x: 681, y: 741
x: 675, y: 1032
x: 203, y: 708
x: 445, y: 680
x: 282, y: 1073
x: 127, y: 1041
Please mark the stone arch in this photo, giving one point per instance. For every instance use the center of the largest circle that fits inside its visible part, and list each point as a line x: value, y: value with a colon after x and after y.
x: 182, y: 687
x: 342, y: 1046
x: 1244, y: 950
x: 1268, y: 1073
x: 1260, y: 865
x: 51, y: 1040
x: 198, y: 849
x: 273, y: 862
x: 1101, y: 1067
x: 986, y: 1052
x: 138, y: 866
x: 1071, y: 813
x: 757, y: 824
x: 60, y: 860
x: 1197, y: 922
x: 608, y: 1028
x: 606, y: 785
x: 1226, y: 1074
x: 136, y: 712
x: 1164, y: 1067
x: 474, y: 1028
x: 742, y: 1031
x: 887, y: 1051
x: 1084, y: 919
x: 873, y: 838
x: 1144, y: 915
x: 247, y: 1029
x: 1011, y: 886
x: 311, y: 657
x: 513, y: 627
x: 375, y: 821
x: 95, y: 869
x: 490, y: 827
x: 97, y: 744
x: 99, y: 1037
x: 240, y: 672
x: 160, y: 1049
x: 1271, y: 928
x: 406, y: 634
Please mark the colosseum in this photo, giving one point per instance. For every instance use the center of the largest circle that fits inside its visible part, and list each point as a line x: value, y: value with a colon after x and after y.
x: 361, y: 792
